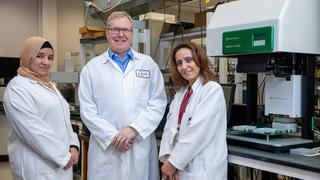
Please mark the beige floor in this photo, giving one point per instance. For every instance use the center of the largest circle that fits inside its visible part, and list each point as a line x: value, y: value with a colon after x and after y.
x: 5, y: 172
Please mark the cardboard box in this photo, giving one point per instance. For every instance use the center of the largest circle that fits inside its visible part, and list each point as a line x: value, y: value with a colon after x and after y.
x: 88, y: 32
x: 200, y: 18
x: 157, y: 16
x: 173, y: 27
x: 89, y: 28
x: 167, y: 27
x: 92, y: 35
x: 203, y: 21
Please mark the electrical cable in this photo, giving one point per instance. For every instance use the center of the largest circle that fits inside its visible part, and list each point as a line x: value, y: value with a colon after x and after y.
x: 116, y: 4
x: 101, y: 17
x: 238, y: 172
x: 174, y: 35
x: 144, y: 17
x: 164, y: 11
x: 263, y: 82
x: 96, y: 7
x: 164, y: 21
x: 85, y: 16
x: 179, y: 24
x: 155, y: 51
x: 122, y: 6
x: 256, y: 173
x: 172, y: 43
x: 263, y: 89
x: 201, y: 45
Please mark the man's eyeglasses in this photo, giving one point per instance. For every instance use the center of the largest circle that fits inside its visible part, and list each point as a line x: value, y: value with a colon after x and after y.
x: 118, y: 30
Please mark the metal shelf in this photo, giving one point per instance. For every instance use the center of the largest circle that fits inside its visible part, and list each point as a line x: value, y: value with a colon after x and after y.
x: 185, y: 35
x: 188, y: 34
x: 98, y: 40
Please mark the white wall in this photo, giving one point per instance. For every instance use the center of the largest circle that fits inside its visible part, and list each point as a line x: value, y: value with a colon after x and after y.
x: 56, y: 20
x: 48, y: 25
x: 19, y: 20
x: 70, y: 19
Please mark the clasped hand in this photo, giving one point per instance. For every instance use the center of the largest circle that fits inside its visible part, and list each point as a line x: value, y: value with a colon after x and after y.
x: 169, y: 172
x: 123, y: 140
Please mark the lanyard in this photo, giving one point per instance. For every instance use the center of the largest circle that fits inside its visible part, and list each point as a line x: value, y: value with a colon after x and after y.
x: 183, y: 105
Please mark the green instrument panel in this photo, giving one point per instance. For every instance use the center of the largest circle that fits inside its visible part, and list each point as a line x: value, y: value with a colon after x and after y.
x: 248, y: 40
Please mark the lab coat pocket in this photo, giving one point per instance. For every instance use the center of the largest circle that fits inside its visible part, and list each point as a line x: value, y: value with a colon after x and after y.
x: 48, y: 175
x: 141, y: 89
x: 46, y: 168
x: 201, y: 175
x: 16, y: 165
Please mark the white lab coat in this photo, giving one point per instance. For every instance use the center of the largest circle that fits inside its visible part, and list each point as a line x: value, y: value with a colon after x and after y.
x: 41, y: 132
x: 110, y: 100
x: 199, y: 150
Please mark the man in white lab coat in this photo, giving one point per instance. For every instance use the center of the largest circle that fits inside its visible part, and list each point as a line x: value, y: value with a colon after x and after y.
x: 122, y: 101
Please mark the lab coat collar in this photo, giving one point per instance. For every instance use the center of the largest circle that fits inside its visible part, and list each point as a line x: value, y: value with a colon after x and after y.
x: 37, y: 82
x: 136, y: 55
x: 31, y: 80
x: 107, y: 59
x: 195, y: 86
x: 111, y: 54
x: 197, y: 83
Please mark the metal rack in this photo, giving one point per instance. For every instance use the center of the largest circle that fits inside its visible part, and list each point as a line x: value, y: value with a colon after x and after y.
x: 141, y: 36
x: 166, y: 41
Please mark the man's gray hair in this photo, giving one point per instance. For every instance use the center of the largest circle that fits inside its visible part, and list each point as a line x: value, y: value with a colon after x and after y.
x: 119, y: 14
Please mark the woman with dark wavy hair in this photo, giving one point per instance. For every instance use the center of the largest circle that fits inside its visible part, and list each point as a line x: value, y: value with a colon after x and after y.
x: 193, y: 144
x: 199, y: 58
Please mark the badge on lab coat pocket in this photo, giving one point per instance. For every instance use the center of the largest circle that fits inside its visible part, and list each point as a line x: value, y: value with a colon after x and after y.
x: 142, y: 73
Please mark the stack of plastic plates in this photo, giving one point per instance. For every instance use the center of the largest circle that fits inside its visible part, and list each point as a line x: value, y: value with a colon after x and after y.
x: 265, y: 130
x: 244, y: 128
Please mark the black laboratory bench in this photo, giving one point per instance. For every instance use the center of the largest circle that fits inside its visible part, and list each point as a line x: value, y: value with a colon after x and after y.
x: 285, y: 164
